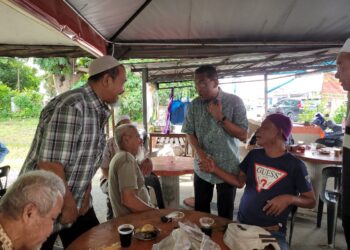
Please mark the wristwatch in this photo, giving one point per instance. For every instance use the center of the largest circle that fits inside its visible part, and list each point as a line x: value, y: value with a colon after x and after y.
x: 221, y: 122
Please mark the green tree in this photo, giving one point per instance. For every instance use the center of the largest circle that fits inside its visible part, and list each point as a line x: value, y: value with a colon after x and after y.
x: 340, y: 114
x: 130, y: 102
x: 17, y: 75
x: 181, y: 90
x: 65, y: 72
x: 5, y: 100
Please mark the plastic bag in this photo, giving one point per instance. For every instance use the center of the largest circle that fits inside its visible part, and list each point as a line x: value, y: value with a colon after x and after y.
x: 248, y: 237
x: 187, y: 236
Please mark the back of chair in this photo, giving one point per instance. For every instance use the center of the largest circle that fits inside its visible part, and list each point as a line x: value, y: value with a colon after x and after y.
x: 330, y: 172
x: 4, y: 171
x: 293, y: 214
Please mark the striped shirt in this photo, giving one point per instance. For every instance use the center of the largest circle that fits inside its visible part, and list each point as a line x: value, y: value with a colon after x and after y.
x: 71, y: 132
x: 212, y: 138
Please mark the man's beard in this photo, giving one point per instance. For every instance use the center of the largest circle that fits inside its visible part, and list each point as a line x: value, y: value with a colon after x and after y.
x: 140, y: 156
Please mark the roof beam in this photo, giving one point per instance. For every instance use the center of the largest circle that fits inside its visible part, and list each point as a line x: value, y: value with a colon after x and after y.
x: 126, y: 24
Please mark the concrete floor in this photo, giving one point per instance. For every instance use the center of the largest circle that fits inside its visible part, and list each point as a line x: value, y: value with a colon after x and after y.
x: 306, y: 234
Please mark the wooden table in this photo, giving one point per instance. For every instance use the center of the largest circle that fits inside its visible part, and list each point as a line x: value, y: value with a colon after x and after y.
x: 106, y: 233
x: 169, y: 168
x: 315, y: 162
x: 177, y: 136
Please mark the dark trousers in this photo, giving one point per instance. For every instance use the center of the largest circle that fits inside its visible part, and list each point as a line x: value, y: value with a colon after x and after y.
x: 203, y: 192
x: 68, y: 235
x: 153, y: 181
x: 346, y: 226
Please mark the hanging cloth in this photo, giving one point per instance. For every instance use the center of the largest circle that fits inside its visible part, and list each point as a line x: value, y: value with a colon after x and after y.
x: 166, y: 130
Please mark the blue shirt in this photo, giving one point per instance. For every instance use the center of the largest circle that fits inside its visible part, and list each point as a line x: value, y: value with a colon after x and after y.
x: 267, y: 178
x: 212, y: 138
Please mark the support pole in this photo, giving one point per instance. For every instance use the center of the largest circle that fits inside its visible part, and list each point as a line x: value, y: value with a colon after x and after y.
x: 265, y: 93
x: 144, y: 103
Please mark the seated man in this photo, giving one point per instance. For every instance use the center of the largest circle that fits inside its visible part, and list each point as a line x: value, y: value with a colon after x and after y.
x: 275, y: 180
x: 145, y: 166
x: 29, y: 209
x: 127, y: 190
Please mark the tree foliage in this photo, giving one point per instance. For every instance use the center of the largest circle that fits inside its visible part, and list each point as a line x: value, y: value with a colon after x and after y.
x: 181, y: 90
x: 17, y: 75
x: 63, y: 72
x: 130, y: 102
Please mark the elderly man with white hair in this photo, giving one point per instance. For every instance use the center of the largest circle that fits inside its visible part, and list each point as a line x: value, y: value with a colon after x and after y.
x: 145, y: 165
x: 127, y: 190
x: 28, y: 210
x: 343, y: 74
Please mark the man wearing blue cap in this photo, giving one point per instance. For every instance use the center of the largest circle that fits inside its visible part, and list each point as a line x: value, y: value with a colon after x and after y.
x: 275, y: 180
x: 343, y: 74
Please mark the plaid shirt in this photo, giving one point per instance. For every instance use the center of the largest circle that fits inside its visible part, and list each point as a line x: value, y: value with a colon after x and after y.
x: 71, y: 132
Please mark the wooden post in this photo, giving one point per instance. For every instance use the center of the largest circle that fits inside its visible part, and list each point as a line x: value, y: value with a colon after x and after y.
x: 265, y: 92
x: 144, y: 102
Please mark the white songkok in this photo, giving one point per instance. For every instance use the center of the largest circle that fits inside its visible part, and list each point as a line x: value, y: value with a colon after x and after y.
x: 346, y: 46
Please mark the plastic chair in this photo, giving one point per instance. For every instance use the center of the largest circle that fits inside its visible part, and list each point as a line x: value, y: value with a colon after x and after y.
x: 332, y: 199
x: 293, y: 214
x: 4, y: 171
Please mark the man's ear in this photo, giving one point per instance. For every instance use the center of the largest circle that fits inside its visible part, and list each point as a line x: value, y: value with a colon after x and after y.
x: 29, y: 212
x: 105, y: 80
x: 216, y: 83
x: 125, y: 140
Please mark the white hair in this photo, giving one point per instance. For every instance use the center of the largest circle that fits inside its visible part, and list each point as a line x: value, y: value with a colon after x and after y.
x: 120, y: 131
x: 39, y: 187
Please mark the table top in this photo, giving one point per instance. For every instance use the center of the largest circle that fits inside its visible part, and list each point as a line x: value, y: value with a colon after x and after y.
x: 319, y: 158
x: 106, y: 233
x: 160, y: 134
x: 172, y: 165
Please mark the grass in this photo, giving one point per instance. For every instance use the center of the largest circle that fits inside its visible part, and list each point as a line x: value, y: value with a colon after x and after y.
x: 17, y: 135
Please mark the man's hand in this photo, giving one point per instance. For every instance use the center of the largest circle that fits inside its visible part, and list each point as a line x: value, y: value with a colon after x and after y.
x: 146, y: 166
x: 208, y: 166
x: 85, y: 206
x: 69, y: 211
x: 215, y: 110
x: 277, y: 205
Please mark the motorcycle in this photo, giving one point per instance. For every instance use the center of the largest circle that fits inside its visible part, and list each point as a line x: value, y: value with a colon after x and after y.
x: 333, y: 132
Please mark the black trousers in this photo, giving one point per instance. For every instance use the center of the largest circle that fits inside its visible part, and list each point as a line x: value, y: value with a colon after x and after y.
x: 203, y: 192
x: 68, y: 235
x: 346, y: 226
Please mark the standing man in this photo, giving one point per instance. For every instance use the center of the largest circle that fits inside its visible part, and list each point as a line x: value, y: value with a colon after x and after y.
x: 69, y: 141
x: 214, y: 124
x: 343, y: 74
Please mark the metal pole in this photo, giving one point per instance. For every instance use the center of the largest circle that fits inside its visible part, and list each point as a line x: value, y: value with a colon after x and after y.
x: 144, y: 103
x: 265, y: 92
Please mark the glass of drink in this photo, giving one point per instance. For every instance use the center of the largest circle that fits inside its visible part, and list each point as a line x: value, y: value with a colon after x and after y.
x: 125, y: 234
x: 313, y: 147
x: 206, y: 225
